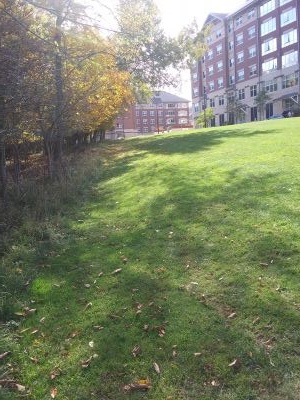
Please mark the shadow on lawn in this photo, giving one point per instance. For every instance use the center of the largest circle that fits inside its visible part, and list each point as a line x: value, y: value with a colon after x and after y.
x: 198, y: 141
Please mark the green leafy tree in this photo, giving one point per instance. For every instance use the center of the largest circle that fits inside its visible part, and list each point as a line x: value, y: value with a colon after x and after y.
x: 261, y: 100
x: 205, y: 117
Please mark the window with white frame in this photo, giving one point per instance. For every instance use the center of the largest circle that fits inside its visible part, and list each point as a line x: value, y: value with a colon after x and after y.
x: 241, y: 75
x: 145, y: 113
x: 269, y: 46
x: 251, y: 32
x: 171, y: 121
x: 138, y: 121
x: 287, y: 17
x: 160, y: 120
x: 145, y: 130
x: 289, y: 59
x: 270, y: 86
x: 211, y: 102
x: 231, y: 62
x: 230, y: 45
x: 219, y: 49
x: 208, y: 39
x: 152, y: 113
x: 220, y: 66
x: 290, y: 80
x: 145, y: 121
x: 231, y: 79
x: 269, y: 65
x: 289, y: 37
x: 240, y: 57
x: 253, y: 91
x: 152, y: 121
x: 220, y: 83
x: 241, y: 94
x: 218, y: 33
x: 268, y: 26
x: 170, y: 113
x: 211, y: 70
x: 251, y: 13
x: 221, y: 100
x: 267, y: 7
x: 196, y: 107
x: 252, y: 51
x: 195, y: 76
x: 195, y: 91
x: 160, y: 113
x: 210, y: 55
x: 171, y: 105
x: 282, y: 2
x: 239, y: 38
x: 230, y: 26
x: 253, y: 70
x: 238, y: 21
x: 182, y: 113
x: 183, y: 121
x: 211, y: 85
x: 137, y: 113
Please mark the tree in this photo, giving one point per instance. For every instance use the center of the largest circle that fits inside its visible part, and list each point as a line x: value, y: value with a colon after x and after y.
x: 261, y: 100
x: 205, y: 117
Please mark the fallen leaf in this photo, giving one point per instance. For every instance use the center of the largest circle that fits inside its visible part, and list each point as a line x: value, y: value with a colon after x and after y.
x: 116, y: 271
x: 264, y: 264
x: 161, y: 331
x: 3, y: 355
x: 10, y: 384
x: 55, y: 373
x: 255, y: 320
x: 91, y: 343
x: 53, y: 393
x: 124, y: 259
x: 232, y: 315
x: 146, y: 328
x: 88, y: 306
x: 197, y: 354
x: 100, y: 274
x: 215, y: 383
x: 42, y: 320
x: 143, y: 385
x: 98, y: 327
x: 156, y: 367
x: 87, y: 285
x: 34, y: 360
x: 136, y: 351
x: 34, y: 331
x: 86, y: 363
x: 235, y: 364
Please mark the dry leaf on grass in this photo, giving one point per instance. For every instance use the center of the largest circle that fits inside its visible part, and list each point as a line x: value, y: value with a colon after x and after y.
x: 136, y: 350
x: 235, y: 364
x: 53, y: 393
x: 116, y: 271
x: 142, y: 385
x: 156, y: 367
x: 5, y: 354
x: 10, y: 384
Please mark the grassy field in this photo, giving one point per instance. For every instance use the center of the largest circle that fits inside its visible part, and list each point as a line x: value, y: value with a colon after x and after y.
x: 175, y: 270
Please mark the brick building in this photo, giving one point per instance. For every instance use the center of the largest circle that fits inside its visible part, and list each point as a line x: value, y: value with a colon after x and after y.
x: 166, y: 111
x: 252, y: 52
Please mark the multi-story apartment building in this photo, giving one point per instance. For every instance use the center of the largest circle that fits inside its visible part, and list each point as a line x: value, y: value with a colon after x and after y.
x: 250, y: 70
x: 164, y: 112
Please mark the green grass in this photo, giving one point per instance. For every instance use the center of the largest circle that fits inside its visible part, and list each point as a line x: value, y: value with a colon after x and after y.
x: 205, y: 226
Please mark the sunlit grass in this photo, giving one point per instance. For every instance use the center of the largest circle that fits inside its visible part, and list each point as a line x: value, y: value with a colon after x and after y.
x: 204, y: 227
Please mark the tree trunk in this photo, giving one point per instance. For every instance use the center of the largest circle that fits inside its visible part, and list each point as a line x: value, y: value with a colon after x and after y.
x: 3, y: 172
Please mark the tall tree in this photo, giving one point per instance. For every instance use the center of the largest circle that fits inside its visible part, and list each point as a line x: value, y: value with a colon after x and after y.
x: 261, y: 100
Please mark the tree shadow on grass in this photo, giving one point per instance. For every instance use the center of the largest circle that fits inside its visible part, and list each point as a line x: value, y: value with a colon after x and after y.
x: 198, y: 141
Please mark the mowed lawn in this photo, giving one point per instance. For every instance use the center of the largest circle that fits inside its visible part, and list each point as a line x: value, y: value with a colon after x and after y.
x: 175, y: 274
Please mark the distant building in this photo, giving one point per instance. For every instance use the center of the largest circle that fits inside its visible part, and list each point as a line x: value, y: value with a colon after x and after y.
x: 164, y: 112
x: 255, y: 50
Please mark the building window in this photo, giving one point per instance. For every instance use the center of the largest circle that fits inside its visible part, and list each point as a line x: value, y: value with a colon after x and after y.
x: 182, y: 113
x: 210, y: 55
x: 267, y: 7
x: 282, y: 2
x: 268, y: 46
x: 220, y: 83
x: 269, y: 65
x: 242, y: 94
x: 195, y: 76
x: 241, y: 75
x: 270, y: 86
x: 230, y: 45
x: 145, y: 130
x: 253, y: 70
x: 289, y: 59
x: 211, y: 85
x: 195, y: 91
x: 219, y: 49
x: 218, y: 33
x: 171, y: 105
x: 268, y: 26
x: 230, y: 26
x: 208, y: 39
x: 252, y: 51
x: 290, y: 80
x: 196, y: 107
x: 151, y: 113
x: 251, y: 32
x: 211, y: 102
x: 287, y: 17
x: 231, y: 79
x: 238, y: 21
x: 145, y: 121
x: 137, y: 113
x: 240, y: 57
x: 251, y: 13
x: 160, y: 113
x: 211, y: 70
x: 221, y: 101
x: 288, y: 38
x: 239, y: 38
x: 138, y: 122
x: 170, y: 113
x: 220, y: 66
x: 253, y: 91
x: 152, y: 121
x: 231, y: 62
x: 170, y: 121
x: 221, y: 119
x: 145, y: 113
x: 203, y: 74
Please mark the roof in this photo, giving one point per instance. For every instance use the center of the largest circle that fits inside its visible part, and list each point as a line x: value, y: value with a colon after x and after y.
x: 213, y: 16
x: 166, y: 97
